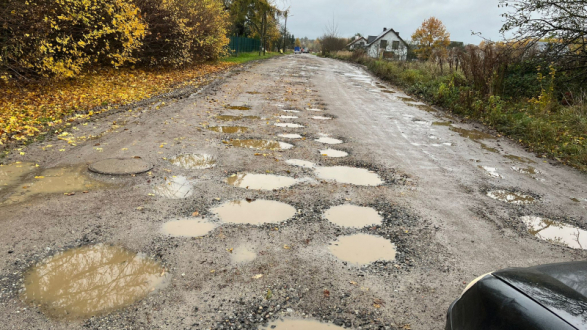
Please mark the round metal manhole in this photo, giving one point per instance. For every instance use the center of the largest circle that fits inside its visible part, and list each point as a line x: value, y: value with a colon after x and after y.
x: 120, y: 166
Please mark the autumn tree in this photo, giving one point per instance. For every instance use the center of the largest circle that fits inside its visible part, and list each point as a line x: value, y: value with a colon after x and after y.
x: 257, y: 17
x: 298, y: 42
x: 431, y: 39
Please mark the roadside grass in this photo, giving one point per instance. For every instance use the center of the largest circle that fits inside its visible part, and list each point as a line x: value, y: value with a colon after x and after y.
x: 247, y: 57
x: 552, y: 130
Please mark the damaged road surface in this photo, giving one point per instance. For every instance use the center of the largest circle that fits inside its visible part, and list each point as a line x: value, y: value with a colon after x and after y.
x: 298, y: 192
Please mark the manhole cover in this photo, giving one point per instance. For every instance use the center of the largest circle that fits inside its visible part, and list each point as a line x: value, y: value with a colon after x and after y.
x: 120, y: 166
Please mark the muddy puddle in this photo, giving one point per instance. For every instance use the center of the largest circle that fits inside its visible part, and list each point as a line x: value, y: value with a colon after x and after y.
x: 91, y: 280
x: 292, y: 324
x: 254, y: 93
x: 300, y: 163
x: 61, y: 180
x: 353, y: 216
x: 259, y: 144
x: 405, y: 99
x: 526, y: 170
x: 362, y: 249
x: 235, y: 118
x: 442, y: 123
x: 290, y: 136
x: 288, y: 117
x: 193, y: 227
x: 260, y: 181
x: 178, y: 187
x: 237, y: 107
x: 11, y: 174
x: 491, y: 171
x: 291, y: 110
x: 242, y: 254
x: 256, y: 212
x: 511, y: 197
x: 321, y: 118
x: 520, y: 159
x: 228, y: 129
x: 388, y: 91
x: 289, y: 125
x: 556, y: 232
x: 194, y: 161
x: 488, y: 148
x: 314, y: 109
x: 333, y: 153
x: 328, y: 140
x: 350, y: 175
x: 472, y: 134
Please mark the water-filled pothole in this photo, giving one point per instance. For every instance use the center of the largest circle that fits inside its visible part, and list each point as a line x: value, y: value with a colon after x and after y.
x: 289, y: 125
x: 315, y: 109
x: 260, y: 181
x: 491, y: 171
x: 292, y: 324
x: 192, y: 227
x: 178, y: 187
x: 237, y: 107
x: 350, y: 175
x: 259, y: 144
x: 520, y: 159
x: 300, y: 163
x: 242, y: 254
x: 488, y: 148
x: 288, y: 117
x: 556, y: 232
x: 321, y: 117
x: 353, y: 216
x: 235, y: 118
x: 472, y: 134
x: 228, y: 129
x: 290, y: 110
x: 333, y: 153
x: 257, y: 212
x: 328, y: 140
x: 194, y: 161
x: 526, y: 170
x: 10, y: 174
x: 363, y: 249
x: 120, y: 166
x: 290, y: 136
x: 442, y: 123
x: 388, y: 91
x: 91, y: 280
x: 511, y: 197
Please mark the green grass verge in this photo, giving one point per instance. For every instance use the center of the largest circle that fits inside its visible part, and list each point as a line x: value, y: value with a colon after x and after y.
x: 247, y: 57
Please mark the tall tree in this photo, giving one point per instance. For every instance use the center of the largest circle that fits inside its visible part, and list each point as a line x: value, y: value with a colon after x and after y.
x: 431, y: 38
x: 259, y: 16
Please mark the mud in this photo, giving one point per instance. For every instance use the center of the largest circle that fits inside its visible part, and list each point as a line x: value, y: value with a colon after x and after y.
x: 237, y: 107
x: 299, y: 325
x: 556, y: 232
x: 442, y: 123
x: 350, y: 175
x: 472, y: 134
x: 353, y: 216
x: 11, y: 174
x: 260, y: 181
x: 193, y: 227
x: 194, y: 161
x: 242, y: 254
x: 259, y: 144
x: 520, y: 159
x: 228, y: 129
x: 256, y: 212
x: 363, y: 249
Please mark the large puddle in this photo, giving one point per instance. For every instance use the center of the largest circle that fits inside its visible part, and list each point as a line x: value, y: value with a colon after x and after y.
x: 556, y: 232
x: 242, y: 254
x: 178, y: 187
x: 289, y: 125
x: 259, y: 144
x: 260, y: 181
x: 228, y: 129
x: 193, y: 227
x: 10, y: 174
x: 290, y: 136
x: 333, y: 153
x: 254, y: 212
x: 350, y: 175
x: 353, y: 216
x: 363, y: 249
x: 235, y: 118
x: 328, y: 140
x: 315, y: 110
x: 237, y: 107
x: 511, y: 197
x: 194, y: 161
x: 472, y: 134
x: 300, y: 163
x: 91, y: 280
x: 300, y: 325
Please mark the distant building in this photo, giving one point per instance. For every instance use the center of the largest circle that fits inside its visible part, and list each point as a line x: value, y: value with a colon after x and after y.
x: 388, y: 45
x: 359, y: 42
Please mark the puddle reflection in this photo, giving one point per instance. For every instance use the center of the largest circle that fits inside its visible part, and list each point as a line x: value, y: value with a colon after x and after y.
x: 178, y: 187
x: 259, y: 144
x: 511, y: 197
x: 260, y: 181
x: 193, y: 227
x: 556, y: 232
x: 194, y: 161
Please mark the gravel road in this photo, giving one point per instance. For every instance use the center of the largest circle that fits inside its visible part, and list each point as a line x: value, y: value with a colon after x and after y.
x: 255, y: 223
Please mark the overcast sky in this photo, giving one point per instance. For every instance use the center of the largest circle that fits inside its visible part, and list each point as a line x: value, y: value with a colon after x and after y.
x: 369, y: 17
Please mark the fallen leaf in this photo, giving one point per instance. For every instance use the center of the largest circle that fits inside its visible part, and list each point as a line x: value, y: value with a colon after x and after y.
x: 258, y: 276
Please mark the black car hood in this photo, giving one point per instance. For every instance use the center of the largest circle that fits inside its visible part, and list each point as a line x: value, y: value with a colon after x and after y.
x: 560, y: 288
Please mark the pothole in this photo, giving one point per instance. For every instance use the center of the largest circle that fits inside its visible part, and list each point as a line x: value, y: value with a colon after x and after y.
x: 491, y: 171
x: 520, y: 159
x: 314, y: 109
x: 526, y: 170
x: 290, y: 110
x: 442, y: 123
x: 321, y: 118
x: 472, y: 134
x: 120, y: 166
x: 91, y: 280
x: 511, y: 197
x: 259, y: 144
x: 10, y: 174
x: 350, y: 175
x: 353, y: 216
x: 242, y: 254
x: 256, y: 212
x: 328, y: 140
x: 292, y: 324
x: 235, y: 118
x: 237, y: 107
x: 333, y: 153
x: 488, y: 148
x: 194, y: 161
x: 300, y: 163
x: 362, y: 249
x: 288, y: 117
x: 260, y: 181
x: 556, y: 232
x: 193, y: 227
x: 289, y: 125
x: 228, y: 129
x: 290, y: 136
x: 177, y: 187
x: 388, y: 91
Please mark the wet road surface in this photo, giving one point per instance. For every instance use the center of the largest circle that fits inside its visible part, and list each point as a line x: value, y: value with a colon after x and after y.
x: 298, y: 189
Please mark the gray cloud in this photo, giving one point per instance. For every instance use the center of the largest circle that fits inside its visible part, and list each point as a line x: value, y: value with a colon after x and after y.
x: 369, y: 17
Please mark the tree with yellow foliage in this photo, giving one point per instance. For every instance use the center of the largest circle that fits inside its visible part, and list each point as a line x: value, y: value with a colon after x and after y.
x: 431, y: 38
x: 298, y: 42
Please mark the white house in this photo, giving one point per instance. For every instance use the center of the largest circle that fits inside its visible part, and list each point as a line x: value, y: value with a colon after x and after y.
x: 387, y: 45
x: 359, y: 42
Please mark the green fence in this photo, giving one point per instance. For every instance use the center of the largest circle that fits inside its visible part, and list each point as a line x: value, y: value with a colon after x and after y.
x: 243, y: 45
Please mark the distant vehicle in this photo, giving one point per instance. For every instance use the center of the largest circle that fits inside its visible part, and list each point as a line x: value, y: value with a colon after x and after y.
x: 297, y: 50
x: 545, y: 297
x: 306, y: 50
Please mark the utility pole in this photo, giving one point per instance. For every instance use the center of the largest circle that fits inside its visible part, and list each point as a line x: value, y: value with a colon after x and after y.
x: 285, y: 32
